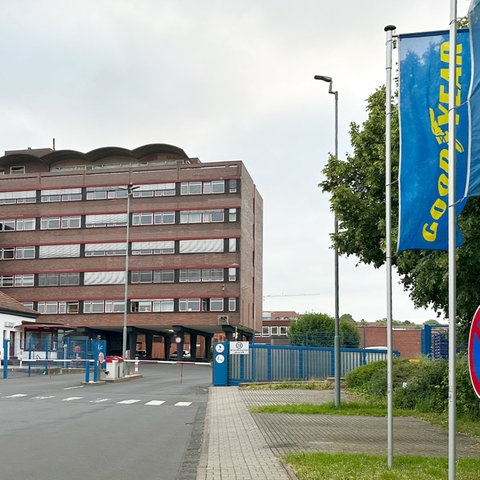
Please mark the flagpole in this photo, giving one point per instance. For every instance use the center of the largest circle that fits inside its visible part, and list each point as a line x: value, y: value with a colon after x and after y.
x: 452, y: 411
x: 389, y: 29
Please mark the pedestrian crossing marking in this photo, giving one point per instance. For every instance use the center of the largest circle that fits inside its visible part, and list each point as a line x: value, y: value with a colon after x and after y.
x: 155, y: 402
x: 98, y: 400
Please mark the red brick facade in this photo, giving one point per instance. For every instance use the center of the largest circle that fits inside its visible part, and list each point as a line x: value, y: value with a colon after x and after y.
x: 240, y: 232
x: 406, y: 341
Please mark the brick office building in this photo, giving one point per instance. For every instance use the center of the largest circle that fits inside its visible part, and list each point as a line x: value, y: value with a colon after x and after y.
x: 193, y: 244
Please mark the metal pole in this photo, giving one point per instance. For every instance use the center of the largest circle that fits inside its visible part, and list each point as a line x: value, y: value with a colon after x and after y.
x: 452, y: 240
x: 127, y: 235
x: 336, y: 340
x: 388, y: 233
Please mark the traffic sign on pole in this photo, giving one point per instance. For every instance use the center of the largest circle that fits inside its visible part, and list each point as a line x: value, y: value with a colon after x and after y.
x: 474, y: 352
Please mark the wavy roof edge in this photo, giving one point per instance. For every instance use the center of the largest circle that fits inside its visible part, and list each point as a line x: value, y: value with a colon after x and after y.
x: 99, y: 153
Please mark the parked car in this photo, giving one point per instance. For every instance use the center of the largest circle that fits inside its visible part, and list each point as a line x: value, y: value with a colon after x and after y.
x: 186, y: 355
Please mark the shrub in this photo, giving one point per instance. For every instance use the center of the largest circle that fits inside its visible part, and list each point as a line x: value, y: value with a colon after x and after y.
x: 421, y: 385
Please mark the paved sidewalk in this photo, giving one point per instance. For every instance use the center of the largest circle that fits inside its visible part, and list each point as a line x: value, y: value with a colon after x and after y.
x: 233, y: 446
x: 239, y: 445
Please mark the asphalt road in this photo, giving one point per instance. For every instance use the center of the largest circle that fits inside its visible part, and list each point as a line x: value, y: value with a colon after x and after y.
x: 55, y: 428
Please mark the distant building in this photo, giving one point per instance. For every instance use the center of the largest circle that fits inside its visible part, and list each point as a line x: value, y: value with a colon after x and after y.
x: 275, y: 326
x: 180, y: 240
x: 14, y: 316
x: 406, y: 340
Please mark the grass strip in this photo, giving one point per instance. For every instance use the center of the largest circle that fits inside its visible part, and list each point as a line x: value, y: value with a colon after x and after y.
x: 316, y: 466
x: 346, y: 408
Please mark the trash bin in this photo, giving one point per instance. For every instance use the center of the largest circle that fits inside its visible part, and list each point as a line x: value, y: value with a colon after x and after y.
x: 114, y: 367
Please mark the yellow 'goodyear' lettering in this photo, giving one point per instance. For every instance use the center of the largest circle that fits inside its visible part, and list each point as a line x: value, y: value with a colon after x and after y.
x: 438, y: 120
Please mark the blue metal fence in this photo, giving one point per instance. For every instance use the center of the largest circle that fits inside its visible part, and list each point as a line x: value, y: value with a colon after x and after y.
x: 266, y: 363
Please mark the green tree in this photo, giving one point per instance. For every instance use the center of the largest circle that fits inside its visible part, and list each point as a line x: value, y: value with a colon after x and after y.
x: 318, y: 330
x: 357, y: 189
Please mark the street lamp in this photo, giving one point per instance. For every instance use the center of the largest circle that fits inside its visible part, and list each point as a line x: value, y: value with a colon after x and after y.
x: 130, y: 188
x: 336, y: 343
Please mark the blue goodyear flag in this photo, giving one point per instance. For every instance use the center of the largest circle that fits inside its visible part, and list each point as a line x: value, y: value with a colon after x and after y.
x: 424, y: 165
x: 473, y: 174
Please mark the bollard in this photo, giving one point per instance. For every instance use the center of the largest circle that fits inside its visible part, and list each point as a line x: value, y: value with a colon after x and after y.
x: 136, y: 365
x: 87, y: 371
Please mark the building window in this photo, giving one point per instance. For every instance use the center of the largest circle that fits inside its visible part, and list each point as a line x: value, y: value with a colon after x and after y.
x: 61, y: 195
x: 283, y: 330
x: 105, y: 249
x: 201, y: 216
x: 216, y: 304
x: 163, y: 276
x: 265, y: 331
x: 103, y: 306
x: 142, y: 276
x: 18, y: 224
x: 212, y: 275
x: 28, y: 196
x: 213, y: 245
x: 153, y: 248
x: 232, y: 244
x: 232, y: 304
x: 59, y: 251
x: 106, y: 193
x: 104, y: 278
x: 233, y: 186
x: 6, y: 280
x: 54, y: 308
x: 201, y: 275
x: 157, y: 305
x: 163, y: 305
x: 19, y: 169
x: 190, y: 275
x: 7, y: 253
x: 274, y: 330
x: 189, y: 305
x: 232, y: 214
x: 155, y: 190
x: 214, y: 186
x: 24, y: 280
x: 58, y: 279
x: 153, y: 218
x: 106, y: 220
x: 53, y: 223
x: 191, y: 188
x: 232, y: 274
x: 24, y: 252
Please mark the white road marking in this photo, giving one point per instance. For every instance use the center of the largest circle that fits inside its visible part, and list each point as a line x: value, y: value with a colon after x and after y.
x: 100, y: 400
x: 73, y: 388
x: 127, y: 402
x: 155, y: 402
x: 70, y: 399
x: 16, y: 395
x: 183, y: 404
x: 40, y: 397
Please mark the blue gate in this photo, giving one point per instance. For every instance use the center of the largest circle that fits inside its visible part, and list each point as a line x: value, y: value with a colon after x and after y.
x: 267, y: 363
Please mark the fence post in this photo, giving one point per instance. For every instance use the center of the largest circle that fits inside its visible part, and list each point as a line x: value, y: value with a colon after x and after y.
x: 87, y: 371
x: 5, y: 357
x: 46, y: 357
x: 30, y: 356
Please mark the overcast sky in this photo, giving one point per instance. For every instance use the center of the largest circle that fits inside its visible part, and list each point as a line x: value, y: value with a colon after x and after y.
x: 224, y: 80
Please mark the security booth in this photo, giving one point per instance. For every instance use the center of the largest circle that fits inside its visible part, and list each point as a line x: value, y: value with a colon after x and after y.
x: 115, y: 367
